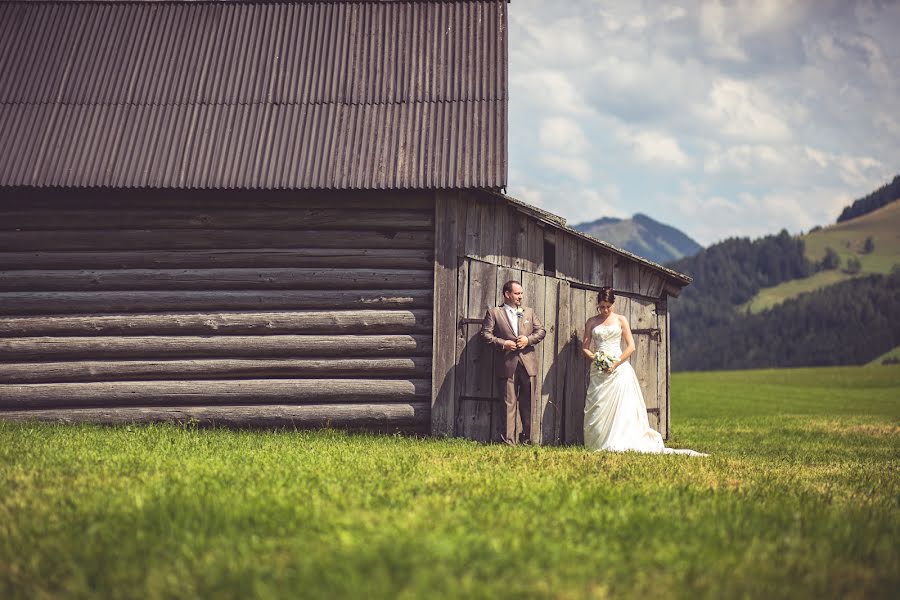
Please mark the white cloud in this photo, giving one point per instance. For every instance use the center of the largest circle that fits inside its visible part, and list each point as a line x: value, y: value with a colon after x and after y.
x: 575, y: 167
x: 670, y: 12
x: 740, y: 110
x: 561, y: 134
x: 550, y: 89
x: 655, y: 147
x: 744, y: 158
x: 774, y: 109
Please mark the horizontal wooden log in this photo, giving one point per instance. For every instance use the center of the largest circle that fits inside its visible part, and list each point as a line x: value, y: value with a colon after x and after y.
x: 409, y: 417
x: 208, y: 392
x: 34, y: 303
x: 171, y: 239
x: 27, y: 219
x: 84, y: 348
x: 260, y: 258
x: 222, y: 323
x: 215, y: 279
x: 136, y: 370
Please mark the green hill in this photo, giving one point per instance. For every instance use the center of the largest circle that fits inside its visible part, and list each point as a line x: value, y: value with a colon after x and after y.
x: 827, y: 298
x: 643, y: 236
x: 848, y: 240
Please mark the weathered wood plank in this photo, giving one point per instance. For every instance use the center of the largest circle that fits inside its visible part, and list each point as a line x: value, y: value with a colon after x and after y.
x: 449, y: 218
x: 32, y: 303
x: 170, y: 239
x: 498, y: 410
x: 222, y: 323
x: 239, y: 391
x: 82, y: 348
x: 533, y: 248
x: 565, y: 246
x: 463, y: 332
x: 565, y: 353
x: 644, y: 362
x: 577, y: 386
x: 215, y: 279
x: 261, y: 258
x: 652, y: 283
x: 643, y: 314
x: 479, y: 381
x: 602, y: 267
x: 535, y: 287
x: 627, y: 275
x: 213, y: 218
x: 549, y: 407
x: 663, y: 373
x: 407, y: 417
x: 485, y: 230
x: 234, y: 368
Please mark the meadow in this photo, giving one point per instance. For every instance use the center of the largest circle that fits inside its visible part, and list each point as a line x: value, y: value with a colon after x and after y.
x: 847, y: 239
x: 798, y: 500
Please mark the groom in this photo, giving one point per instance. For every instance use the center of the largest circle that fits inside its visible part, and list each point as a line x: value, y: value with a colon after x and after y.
x: 513, y: 331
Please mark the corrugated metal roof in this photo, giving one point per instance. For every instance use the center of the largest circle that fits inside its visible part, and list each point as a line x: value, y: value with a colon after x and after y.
x: 253, y: 95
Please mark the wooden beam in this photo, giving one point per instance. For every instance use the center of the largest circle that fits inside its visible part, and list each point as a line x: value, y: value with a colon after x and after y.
x: 206, y: 392
x: 215, y: 279
x: 260, y: 258
x: 170, y: 239
x: 222, y: 323
x: 406, y: 417
x: 86, y: 348
x: 227, y: 368
x: 34, y: 303
x: 28, y: 219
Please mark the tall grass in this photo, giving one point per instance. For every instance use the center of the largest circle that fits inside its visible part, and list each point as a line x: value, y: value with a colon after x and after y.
x: 799, y: 499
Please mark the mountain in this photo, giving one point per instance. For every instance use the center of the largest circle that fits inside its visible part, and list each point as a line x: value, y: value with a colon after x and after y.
x: 643, y: 236
x: 829, y: 297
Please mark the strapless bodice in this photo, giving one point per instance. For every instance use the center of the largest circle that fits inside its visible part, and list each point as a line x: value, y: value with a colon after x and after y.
x: 608, y: 338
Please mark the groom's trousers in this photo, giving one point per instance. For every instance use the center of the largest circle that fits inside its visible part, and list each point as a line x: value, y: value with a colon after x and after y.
x: 517, y: 394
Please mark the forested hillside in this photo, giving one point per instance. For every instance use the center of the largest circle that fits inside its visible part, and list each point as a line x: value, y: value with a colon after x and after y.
x: 848, y: 323
x: 880, y: 197
x: 711, y: 330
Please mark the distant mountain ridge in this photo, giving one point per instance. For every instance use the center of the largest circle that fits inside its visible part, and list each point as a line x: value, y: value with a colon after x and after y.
x: 642, y: 236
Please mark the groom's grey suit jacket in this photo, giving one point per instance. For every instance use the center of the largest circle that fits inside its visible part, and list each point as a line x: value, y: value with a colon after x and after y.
x: 495, y: 329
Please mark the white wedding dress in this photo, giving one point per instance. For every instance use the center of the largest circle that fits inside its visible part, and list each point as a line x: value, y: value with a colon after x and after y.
x: 615, y: 416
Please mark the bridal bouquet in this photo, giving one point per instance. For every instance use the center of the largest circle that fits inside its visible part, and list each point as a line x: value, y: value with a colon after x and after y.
x: 604, y: 361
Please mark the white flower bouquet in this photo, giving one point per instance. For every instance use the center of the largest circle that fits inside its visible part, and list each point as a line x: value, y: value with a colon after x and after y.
x: 604, y: 361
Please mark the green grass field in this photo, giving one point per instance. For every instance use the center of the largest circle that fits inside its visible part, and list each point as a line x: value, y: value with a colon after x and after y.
x: 847, y: 239
x: 798, y: 500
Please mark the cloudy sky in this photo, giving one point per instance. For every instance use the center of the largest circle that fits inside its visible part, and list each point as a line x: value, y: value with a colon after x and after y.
x: 720, y: 118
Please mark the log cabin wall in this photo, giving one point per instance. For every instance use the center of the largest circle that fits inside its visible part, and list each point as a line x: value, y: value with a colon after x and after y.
x: 483, y: 240
x: 236, y: 308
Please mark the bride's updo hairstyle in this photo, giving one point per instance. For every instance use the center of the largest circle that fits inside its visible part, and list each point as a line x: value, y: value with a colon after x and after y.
x: 606, y: 294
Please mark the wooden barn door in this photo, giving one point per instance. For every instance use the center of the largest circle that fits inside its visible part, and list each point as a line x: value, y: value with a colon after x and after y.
x: 481, y: 413
x: 259, y: 309
x: 649, y: 359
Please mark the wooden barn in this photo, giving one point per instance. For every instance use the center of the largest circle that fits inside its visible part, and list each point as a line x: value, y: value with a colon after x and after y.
x: 282, y: 214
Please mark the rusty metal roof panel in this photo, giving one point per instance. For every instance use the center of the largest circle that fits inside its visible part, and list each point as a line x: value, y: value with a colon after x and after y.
x: 345, y: 94
x: 267, y: 146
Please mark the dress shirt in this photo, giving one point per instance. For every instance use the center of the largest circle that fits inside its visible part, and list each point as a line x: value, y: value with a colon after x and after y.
x: 513, y: 317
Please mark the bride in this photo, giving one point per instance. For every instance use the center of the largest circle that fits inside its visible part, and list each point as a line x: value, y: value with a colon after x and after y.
x: 615, y: 416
